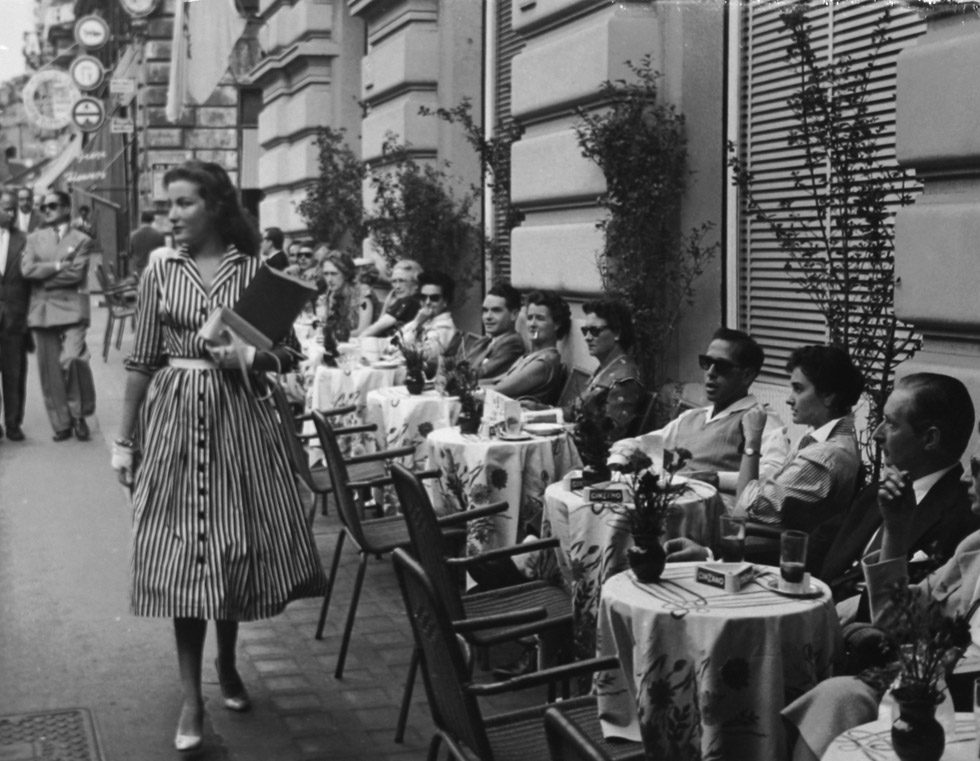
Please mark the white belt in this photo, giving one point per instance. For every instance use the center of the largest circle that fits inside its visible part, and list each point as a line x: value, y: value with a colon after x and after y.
x: 187, y: 363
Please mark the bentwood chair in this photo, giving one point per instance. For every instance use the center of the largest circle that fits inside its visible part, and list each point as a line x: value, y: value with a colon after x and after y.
x: 453, y: 695
x: 120, y: 303
x: 491, y: 617
x: 375, y: 536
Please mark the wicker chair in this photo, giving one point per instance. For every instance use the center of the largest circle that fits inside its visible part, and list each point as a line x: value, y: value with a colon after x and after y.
x: 567, y: 741
x: 456, y: 712
x: 492, y: 617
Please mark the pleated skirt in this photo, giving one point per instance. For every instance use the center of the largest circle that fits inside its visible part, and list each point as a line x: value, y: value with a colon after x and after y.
x: 219, y: 530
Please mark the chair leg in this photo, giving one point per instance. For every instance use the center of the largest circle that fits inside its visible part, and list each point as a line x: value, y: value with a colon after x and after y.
x: 119, y: 333
x: 351, y: 613
x: 413, y: 667
x: 434, y: 747
x: 107, y: 339
x: 334, y: 565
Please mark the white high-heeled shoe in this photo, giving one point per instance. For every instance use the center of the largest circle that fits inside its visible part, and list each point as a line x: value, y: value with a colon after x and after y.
x: 190, y: 728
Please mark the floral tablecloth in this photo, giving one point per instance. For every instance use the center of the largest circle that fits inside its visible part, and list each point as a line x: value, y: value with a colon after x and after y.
x: 873, y: 742
x: 334, y: 387
x: 478, y: 471
x: 706, y: 671
x: 405, y: 419
x: 594, y: 539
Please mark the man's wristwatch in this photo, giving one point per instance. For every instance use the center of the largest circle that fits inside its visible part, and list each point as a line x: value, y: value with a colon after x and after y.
x: 750, y: 451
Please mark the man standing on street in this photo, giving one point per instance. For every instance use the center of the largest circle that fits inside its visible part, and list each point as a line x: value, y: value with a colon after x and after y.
x: 142, y: 241
x: 271, y: 250
x: 56, y: 260
x: 28, y: 218
x: 15, y: 294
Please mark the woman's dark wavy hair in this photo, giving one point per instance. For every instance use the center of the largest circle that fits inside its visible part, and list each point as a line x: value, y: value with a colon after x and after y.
x: 221, y: 198
x: 617, y: 316
x: 831, y: 371
x: 556, y: 305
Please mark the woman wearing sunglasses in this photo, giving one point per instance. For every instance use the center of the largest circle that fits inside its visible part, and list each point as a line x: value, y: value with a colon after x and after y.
x: 538, y: 376
x: 611, y: 403
x: 433, y: 328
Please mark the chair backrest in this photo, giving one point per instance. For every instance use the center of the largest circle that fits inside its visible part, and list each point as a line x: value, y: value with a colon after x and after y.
x: 427, y: 542
x: 102, y: 278
x: 294, y: 447
x: 575, y: 384
x: 455, y: 711
x: 470, y: 340
x: 343, y: 494
x: 567, y: 741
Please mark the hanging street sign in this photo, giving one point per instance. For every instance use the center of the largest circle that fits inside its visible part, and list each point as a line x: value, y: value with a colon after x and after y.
x: 88, y: 114
x: 120, y: 126
x: 122, y: 86
x: 48, y: 97
x: 139, y: 8
x: 91, y: 32
x: 87, y: 72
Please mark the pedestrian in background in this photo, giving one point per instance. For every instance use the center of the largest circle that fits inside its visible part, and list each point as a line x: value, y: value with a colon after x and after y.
x: 15, y: 294
x: 28, y: 218
x: 142, y: 241
x: 219, y: 530
x: 56, y: 261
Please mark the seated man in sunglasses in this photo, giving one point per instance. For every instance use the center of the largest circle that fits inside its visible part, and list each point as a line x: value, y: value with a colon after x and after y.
x: 433, y: 328
x: 715, y: 434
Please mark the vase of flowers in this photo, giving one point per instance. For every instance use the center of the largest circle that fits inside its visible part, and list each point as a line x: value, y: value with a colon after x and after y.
x: 414, y: 364
x: 653, y: 497
x: 462, y: 381
x: 925, y: 645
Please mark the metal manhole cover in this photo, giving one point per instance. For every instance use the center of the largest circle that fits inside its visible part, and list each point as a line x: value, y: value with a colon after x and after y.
x: 63, y: 735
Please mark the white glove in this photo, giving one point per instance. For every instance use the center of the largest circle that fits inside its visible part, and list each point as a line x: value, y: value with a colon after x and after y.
x: 122, y: 463
x: 231, y: 355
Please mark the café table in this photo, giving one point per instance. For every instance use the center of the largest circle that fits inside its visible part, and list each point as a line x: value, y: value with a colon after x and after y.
x: 710, y: 667
x: 873, y: 742
x: 339, y: 387
x: 405, y: 419
x: 477, y: 471
x: 594, y: 538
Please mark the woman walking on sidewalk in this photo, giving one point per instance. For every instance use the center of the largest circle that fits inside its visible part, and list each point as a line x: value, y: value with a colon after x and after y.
x: 219, y: 532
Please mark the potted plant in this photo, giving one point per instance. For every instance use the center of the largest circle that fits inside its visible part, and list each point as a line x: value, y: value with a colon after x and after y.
x: 925, y: 644
x: 414, y: 363
x: 653, y: 497
x: 462, y: 381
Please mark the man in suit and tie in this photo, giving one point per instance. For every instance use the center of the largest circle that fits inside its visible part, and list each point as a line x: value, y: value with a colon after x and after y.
x: 14, y: 339
x: 56, y: 261
x: 501, y: 347
x: 142, y: 241
x: 928, y: 420
x: 28, y: 218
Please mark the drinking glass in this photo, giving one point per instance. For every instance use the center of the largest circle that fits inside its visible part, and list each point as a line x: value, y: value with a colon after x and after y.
x: 732, y: 542
x: 976, y: 710
x: 792, y: 555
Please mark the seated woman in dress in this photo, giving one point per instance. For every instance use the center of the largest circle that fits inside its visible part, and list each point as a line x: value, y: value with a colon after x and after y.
x: 611, y: 403
x: 539, y: 375
x: 819, y: 479
x: 433, y: 328
x: 346, y: 311
x: 402, y: 303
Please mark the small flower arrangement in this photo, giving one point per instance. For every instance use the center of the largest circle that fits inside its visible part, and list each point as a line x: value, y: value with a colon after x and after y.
x: 653, y: 494
x: 413, y: 354
x: 924, y: 643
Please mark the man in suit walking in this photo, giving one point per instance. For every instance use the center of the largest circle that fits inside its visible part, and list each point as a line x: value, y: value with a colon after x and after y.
x: 56, y: 261
x: 928, y: 420
x: 14, y: 298
x: 142, y: 241
x: 28, y: 218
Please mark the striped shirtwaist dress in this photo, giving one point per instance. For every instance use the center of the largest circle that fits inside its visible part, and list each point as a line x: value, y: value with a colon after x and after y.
x: 219, y: 531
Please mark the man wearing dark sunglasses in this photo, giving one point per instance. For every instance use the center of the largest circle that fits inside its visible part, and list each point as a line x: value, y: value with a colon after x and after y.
x: 433, y: 328
x: 56, y: 260
x: 714, y: 434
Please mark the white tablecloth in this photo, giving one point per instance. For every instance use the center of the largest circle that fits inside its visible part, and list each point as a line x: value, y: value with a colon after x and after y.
x: 479, y: 471
x: 712, y: 668
x: 405, y: 419
x: 594, y: 540
x: 873, y: 742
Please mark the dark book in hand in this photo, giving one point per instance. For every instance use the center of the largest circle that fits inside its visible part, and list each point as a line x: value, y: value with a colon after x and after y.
x: 265, y: 312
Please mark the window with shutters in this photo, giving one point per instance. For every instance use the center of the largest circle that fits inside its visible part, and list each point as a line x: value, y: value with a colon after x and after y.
x: 771, y: 306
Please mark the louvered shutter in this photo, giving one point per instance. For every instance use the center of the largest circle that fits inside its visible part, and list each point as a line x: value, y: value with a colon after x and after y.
x: 771, y: 307
x: 508, y: 45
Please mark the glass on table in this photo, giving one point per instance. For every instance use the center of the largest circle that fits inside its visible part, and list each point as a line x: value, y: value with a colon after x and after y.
x: 792, y: 556
x: 976, y: 711
x: 731, y: 541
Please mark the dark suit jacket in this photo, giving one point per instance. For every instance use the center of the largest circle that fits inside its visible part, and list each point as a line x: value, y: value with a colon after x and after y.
x: 35, y: 221
x: 492, y: 358
x: 939, y: 523
x: 59, y: 296
x: 15, y: 290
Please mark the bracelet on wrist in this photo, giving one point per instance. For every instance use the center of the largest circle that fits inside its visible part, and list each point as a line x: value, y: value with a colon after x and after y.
x: 128, y: 443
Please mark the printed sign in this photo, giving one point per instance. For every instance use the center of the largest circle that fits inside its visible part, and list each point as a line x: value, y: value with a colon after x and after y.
x: 87, y: 72
x: 88, y: 114
x: 91, y: 32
